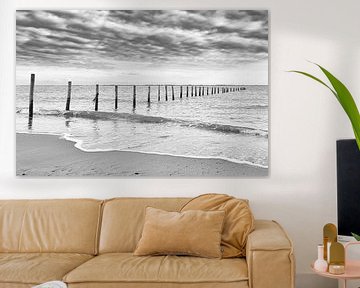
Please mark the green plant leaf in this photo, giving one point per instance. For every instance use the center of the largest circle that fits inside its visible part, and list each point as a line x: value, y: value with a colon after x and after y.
x: 356, y: 236
x: 344, y: 97
x: 347, y: 102
x: 316, y: 79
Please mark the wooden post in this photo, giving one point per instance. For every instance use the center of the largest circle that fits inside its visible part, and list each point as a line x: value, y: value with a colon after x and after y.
x: 68, y: 99
x: 181, y: 92
x: 159, y: 93
x: 192, y: 91
x: 31, y: 98
x: 172, y: 90
x: 148, y: 95
x: 187, y: 91
x: 195, y: 91
x: 203, y: 91
x: 207, y: 90
x: 97, y: 98
x: 166, y: 95
x: 134, y: 97
x: 116, y: 97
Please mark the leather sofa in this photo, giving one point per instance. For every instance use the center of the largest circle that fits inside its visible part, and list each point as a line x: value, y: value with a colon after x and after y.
x: 89, y: 243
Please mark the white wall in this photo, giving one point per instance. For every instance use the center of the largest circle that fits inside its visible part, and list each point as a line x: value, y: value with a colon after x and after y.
x: 305, y: 120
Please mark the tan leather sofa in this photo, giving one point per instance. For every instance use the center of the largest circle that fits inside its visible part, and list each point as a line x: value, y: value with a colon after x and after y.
x: 89, y: 243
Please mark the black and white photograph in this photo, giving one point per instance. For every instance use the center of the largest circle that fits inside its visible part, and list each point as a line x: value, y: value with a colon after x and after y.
x: 142, y: 93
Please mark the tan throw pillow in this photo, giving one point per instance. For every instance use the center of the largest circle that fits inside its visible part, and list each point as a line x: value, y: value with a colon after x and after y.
x: 195, y: 233
x: 238, y: 224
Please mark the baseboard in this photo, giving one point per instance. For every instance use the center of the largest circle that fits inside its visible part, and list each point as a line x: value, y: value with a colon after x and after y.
x: 309, y: 280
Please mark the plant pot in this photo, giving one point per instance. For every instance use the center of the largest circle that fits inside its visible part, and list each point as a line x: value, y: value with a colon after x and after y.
x: 348, y: 187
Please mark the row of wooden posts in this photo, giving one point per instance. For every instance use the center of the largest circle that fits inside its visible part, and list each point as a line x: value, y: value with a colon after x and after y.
x: 185, y: 91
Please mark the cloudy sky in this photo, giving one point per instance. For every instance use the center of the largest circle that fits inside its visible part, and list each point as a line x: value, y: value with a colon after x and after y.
x: 142, y: 46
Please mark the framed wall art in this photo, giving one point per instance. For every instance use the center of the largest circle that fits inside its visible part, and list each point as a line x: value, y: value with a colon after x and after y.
x: 152, y: 93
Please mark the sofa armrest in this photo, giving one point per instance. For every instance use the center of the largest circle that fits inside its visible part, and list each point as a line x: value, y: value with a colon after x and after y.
x: 269, y: 255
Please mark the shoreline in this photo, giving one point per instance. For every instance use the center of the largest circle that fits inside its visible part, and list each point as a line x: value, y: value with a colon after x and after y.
x: 41, y: 155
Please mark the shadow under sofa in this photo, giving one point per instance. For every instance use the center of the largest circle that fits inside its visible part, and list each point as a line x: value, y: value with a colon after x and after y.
x: 90, y: 243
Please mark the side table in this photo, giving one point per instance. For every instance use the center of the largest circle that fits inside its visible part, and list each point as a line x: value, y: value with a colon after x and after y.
x: 352, y: 269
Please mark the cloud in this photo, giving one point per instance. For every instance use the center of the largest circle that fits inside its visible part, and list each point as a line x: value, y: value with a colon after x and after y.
x: 95, y: 38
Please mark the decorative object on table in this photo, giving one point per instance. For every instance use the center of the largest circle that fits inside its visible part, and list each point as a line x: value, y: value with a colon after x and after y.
x: 320, y: 264
x: 329, y: 237
x: 168, y: 93
x: 337, y: 258
x: 333, y: 252
x: 52, y: 284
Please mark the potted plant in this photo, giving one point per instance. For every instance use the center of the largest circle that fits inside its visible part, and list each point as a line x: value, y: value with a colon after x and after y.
x: 343, y: 95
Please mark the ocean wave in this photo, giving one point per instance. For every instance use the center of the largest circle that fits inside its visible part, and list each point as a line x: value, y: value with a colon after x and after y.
x: 258, y: 106
x: 112, y: 116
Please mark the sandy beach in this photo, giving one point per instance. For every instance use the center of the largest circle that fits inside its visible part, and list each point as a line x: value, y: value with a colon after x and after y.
x: 48, y: 155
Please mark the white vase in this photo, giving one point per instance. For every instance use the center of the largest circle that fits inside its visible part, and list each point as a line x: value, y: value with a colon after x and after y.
x: 320, y: 264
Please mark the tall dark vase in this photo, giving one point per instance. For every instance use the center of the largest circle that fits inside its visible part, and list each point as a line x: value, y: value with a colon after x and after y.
x: 348, y: 187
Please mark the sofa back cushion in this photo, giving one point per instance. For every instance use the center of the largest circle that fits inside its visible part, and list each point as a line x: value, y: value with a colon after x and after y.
x: 63, y: 226
x: 123, y: 220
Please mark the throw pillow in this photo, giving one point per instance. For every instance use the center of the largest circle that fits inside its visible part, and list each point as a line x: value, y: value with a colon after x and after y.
x: 196, y: 233
x: 238, y: 224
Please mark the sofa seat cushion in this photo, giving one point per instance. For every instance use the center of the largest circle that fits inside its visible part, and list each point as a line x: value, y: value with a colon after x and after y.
x: 127, y: 268
x: 35, y: 268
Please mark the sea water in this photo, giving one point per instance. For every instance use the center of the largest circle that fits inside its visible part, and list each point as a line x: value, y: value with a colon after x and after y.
x: 231, y: 126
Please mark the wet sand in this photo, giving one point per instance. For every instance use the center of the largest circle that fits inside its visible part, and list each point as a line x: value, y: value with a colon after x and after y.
x: 48, y: 155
